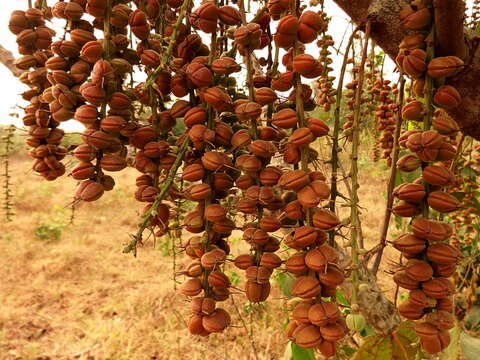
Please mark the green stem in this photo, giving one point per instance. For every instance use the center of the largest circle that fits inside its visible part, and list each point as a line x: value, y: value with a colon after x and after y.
x: 132, y: 246
x: 336, y: 132
x: 427, y: 123
x: 391, y: 180
x: 354, y: 216
x: 173, y: 39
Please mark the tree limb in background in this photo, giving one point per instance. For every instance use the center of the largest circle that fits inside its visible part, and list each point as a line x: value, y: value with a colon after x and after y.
x: 7, y: 59
x: 387, y: 33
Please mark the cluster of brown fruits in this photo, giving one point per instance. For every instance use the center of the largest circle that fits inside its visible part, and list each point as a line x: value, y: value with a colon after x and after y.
x: 315, y: 323
x: 225, y: 151
x: 464, y: 219
x: 350, y: 94
x: 431, y: 259
x: 326, y: 91
x: 384, y: 114
x: 34, y: 41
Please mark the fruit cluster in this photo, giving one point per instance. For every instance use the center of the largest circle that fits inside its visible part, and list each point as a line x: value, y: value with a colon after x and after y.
x: 34, y: 41
x: 430, y: 259
x: 384, y: 113
x: 326, y: 92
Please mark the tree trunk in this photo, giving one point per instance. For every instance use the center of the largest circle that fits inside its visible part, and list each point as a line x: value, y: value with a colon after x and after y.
x: 7, y: 59
x: 452, y: 39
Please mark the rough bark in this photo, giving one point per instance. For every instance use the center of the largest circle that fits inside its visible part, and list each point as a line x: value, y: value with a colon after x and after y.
x: 7, y: 59
x: 388, y: 32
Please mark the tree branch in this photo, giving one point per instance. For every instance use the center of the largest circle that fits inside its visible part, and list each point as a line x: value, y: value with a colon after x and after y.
x: 387, y: 33
x: 449, y: 16
x: 7, y: 59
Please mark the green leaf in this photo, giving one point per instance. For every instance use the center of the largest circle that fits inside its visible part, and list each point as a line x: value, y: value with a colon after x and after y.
x: 299, y: 353
x: 470, y: 346
x: 375, y: 348
x: 472, y: 318
x: 406, y: 329
x: 478, y: 28
x: 341, y: 299
x: 403, y: 342
x: 285, y: 282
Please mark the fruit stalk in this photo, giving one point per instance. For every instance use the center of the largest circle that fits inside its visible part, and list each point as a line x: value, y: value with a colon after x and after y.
x: 354, y: 216
x: 336, y: 132
x: 132, y: 246
x: 391, y: 180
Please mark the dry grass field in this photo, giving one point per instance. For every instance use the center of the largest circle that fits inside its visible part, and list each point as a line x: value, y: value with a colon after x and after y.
x: 68, y: 292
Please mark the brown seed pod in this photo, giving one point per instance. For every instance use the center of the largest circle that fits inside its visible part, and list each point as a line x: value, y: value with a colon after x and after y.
x: 307, y: 336
x: 410, y: 192
x: 325, y: 219
x: 438, y: 175
x: 213, y: 258
x: 445, y: 66
x: 295, y: 264
x: 447, y: 97
x: 441, y: 319
x: 418, y: 270
x: 294, y: 180
x: 420, y: 300
x: 192, y: 287
x: 89, y: 191
x: 285, y: 119
x: 270, y: 261
x: 413, y: 62
x: 431, y: 230
x: 244, y: 261
x: 406, y: 209
x: 216, y: 321
x: 444, y: 270
x: 258, y: 274
x: 409, y: 163
x: 320, y: 314
x: 445, y: 304
x: 215, y: 212
x: 444, y: 123
x: 265, y: 96
x: 438, y: 288
x: 331, y: 276
x: 413, y: 111
x: 317, y: 127
x: 300, y: 312
x: 332, y: 332
x: 257, y: 292
x: 269, y: 223
x: 309, y: 25
x: 443, y: 202
x: 311, y: 195
x: 404, y: 281
x: 217, y: 279
x: 306, y: 287
x: 318, y: 258
x: 443, y: 254
x: 410, y: 311
x: 202, y: 305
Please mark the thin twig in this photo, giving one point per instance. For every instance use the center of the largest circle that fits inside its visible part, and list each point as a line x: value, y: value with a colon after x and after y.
x: 354, y: 216
x: 336, y: 131
x: 391, y: 180
x: 132, y: 246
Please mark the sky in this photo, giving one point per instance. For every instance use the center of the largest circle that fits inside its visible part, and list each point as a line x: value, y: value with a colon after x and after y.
x: 10, y: 87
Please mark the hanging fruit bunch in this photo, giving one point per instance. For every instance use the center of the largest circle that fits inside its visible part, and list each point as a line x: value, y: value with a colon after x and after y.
x: 431, y: 260
x: 34, y: 41
x: 326, y: 92
x: 373, y: 81
x: 385, y: 116
x: 468, y: 164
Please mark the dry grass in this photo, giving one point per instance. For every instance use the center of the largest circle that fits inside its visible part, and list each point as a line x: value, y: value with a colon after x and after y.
x: 79, y: 297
